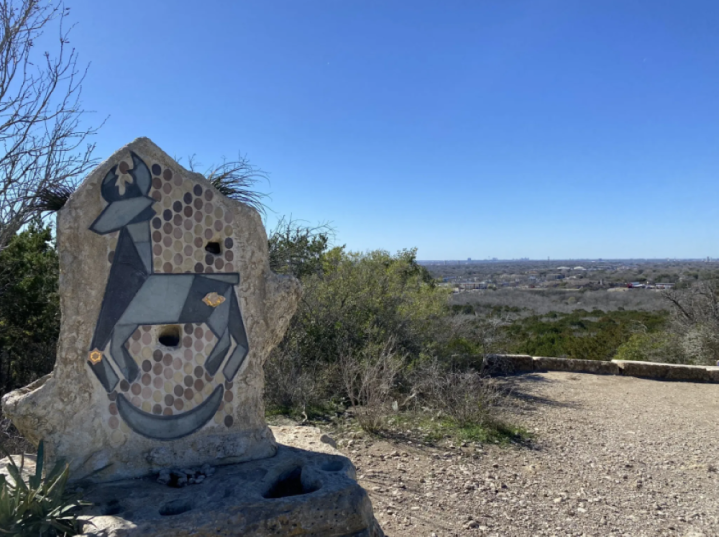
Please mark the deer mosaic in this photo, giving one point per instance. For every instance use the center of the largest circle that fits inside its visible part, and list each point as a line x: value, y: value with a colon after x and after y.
x: 135, y: 295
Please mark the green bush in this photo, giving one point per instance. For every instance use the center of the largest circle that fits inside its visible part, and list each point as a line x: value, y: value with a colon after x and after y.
x: 651, y: 347
x: 352, y: 306
x: 594, y: 335
x: 29, y: 307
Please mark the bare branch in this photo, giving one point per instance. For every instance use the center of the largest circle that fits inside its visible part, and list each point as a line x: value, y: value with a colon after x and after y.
x: 43, y: 147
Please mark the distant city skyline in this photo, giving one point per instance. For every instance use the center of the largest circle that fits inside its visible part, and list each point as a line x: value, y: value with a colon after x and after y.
x: 525, y: 129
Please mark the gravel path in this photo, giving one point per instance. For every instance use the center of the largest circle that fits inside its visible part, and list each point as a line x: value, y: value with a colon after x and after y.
x: 610, y: 456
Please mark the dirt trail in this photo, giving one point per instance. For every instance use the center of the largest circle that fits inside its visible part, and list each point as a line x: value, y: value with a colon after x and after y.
x: 610, y: 456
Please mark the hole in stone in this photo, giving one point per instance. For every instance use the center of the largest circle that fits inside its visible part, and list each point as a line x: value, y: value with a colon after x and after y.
x: 170, y: 336
x: 175, y: 507
x: 113, y: 507
x: 333, y: 466
x: 213, y: 248
x: 289, y: 484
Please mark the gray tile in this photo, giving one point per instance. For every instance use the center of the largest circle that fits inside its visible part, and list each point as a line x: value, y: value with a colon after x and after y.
x: 122, y: 358
x: 195, y: 310
x: 219, y: 318
x: 160, y: 300
x: 119, y: 213
x: 144, y: 249
x: 218, y: 354
x: 105, y: 374
x: 127, y: 276
x: 230, y: 277
x: 141, y: 173
x: 140, y: 232
x: 169, y: 427
x: 235, y: 362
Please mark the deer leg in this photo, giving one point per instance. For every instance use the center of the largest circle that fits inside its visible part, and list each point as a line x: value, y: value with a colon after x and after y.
x: 237, y: 331
x: 218, y: 324
x: 218, y: 353
x: 125, y: 362
x: 105, y: 373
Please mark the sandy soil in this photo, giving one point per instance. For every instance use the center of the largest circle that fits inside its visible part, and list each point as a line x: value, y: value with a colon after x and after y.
x: 610, y: 456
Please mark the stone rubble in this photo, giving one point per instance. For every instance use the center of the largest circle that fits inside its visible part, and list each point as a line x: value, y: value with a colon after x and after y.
x: 182, y: 477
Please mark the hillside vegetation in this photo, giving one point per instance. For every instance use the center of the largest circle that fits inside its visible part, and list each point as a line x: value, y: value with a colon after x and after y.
x: 679, y: 325
x: 378, y: 338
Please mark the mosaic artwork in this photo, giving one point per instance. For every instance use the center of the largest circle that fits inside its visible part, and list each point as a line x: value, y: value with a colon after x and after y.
x: 170, y: 337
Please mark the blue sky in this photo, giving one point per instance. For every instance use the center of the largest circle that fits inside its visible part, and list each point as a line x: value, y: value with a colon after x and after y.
x: 477, y: 129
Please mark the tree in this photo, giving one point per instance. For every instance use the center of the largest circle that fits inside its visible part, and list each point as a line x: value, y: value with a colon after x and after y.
x: 695, y: 321
x: 44, y: 147
x: 29, y: 307
x: 298, y: 249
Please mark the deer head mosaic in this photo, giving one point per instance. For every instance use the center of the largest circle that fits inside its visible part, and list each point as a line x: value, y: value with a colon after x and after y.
x: 170, y: 338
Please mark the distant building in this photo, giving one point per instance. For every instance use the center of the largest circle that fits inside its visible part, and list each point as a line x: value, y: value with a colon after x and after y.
x: 467, y: 286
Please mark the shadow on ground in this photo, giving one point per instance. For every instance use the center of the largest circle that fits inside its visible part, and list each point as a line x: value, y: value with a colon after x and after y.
x: 521, y: 389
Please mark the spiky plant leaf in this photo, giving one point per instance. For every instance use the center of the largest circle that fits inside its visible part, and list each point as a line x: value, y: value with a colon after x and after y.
x: 37, y: 478
x: 53, y: 198
x: 41, y: 507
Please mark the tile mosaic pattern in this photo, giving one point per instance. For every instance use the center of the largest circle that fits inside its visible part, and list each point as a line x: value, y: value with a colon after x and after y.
x: 187, y: 220
x: 173, y: 379
x: 169, y: 237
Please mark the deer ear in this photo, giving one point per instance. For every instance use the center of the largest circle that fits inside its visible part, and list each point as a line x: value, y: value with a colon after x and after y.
x: 141, y: 173
x: 108, y: 188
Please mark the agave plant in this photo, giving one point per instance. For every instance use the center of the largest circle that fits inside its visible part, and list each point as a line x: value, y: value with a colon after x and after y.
x: 41, y: 506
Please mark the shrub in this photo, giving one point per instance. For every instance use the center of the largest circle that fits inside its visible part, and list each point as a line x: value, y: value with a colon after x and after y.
x: 595, y: 335
x: 29, y: 307
x: 298, y: 249
x: 374, y: 333
x: 464, y: 396
x: 652, y: 347
x: 700, y: 344
x: 695, y: 321
x: 352, y: 307
x: 369, y: 380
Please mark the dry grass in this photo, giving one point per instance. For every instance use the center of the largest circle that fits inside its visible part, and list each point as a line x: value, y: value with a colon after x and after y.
x: 11, y: 440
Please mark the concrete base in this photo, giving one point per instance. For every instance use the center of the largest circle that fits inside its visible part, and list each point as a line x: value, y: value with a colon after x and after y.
x: 294, y: 493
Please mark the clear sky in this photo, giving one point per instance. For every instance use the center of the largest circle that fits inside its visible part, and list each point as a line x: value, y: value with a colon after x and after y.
x: 531, y: 128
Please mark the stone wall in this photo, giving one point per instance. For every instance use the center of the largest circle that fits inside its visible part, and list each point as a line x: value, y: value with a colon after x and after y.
x: 508, y: 364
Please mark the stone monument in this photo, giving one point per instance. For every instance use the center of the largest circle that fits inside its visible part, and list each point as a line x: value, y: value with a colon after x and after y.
x: 169, y: 310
